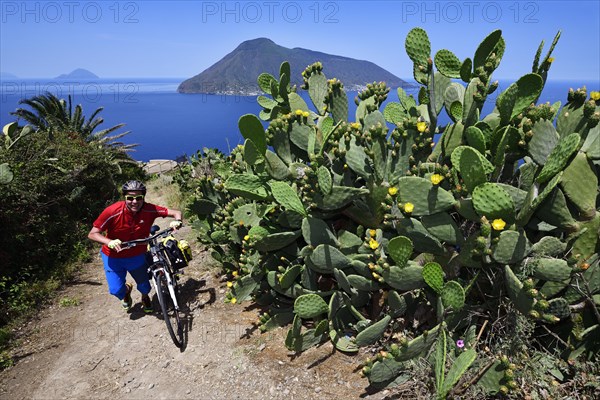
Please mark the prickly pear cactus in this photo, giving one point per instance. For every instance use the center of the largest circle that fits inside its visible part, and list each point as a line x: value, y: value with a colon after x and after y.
x: 382, y: 229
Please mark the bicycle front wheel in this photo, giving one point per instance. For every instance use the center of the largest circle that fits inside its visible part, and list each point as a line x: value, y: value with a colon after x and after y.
x: 169, y: 311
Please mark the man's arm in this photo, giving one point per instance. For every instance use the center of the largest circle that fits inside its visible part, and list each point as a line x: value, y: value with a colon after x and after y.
x: 96, y: 235
x: 175, y: 214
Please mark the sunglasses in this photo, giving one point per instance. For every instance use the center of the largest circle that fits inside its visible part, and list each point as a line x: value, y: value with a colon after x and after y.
x: 131, y: 198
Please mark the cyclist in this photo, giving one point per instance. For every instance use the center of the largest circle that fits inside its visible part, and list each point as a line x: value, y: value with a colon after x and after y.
x: 122, y: 221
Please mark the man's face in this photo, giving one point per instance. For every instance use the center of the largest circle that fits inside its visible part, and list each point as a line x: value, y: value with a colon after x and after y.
x: 134, y: 200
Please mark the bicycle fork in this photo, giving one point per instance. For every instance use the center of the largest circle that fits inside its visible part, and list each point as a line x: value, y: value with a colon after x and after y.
x: 170, y: 286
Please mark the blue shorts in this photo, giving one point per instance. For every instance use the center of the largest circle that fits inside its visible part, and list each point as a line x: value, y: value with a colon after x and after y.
x: 116, y: 271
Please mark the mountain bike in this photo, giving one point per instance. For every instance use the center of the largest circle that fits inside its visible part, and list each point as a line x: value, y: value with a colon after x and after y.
x: 164, y: 280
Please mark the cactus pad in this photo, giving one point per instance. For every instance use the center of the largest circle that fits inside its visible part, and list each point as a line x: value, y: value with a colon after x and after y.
x: 517, y: 294
x: 373, y: 333
x: 492, y: 201
x: 580, y: 183
x: 418, y: 46
x: 326, y: 258
x: 426, y: 198
x: 310, y: 306
x: 324, y: 179
x: 275, y: 166
x: 342, y: 342
x: 511, y: 248
x: 558, y: 158
x: 471, y: 168
x: 456, y: 156
x: 453, y: 295
x: 433, y: 275
x: 251, y: 128
x: 447, y: 63
x: 248, y: 186
x: 339, y: 197
x: 397, y: 304
x: 276, y: 241
x: 400, y: 249
x: 407, y: 278
x: 475, y: 138
x: 543, y: 141
x: 361, y: 283
x: 315, y: 232
x: 559, y: 307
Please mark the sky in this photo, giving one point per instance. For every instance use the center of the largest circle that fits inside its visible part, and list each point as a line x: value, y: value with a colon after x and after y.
x: 149, y: 39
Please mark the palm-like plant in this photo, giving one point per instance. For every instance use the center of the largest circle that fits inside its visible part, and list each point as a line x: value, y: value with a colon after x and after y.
x: 51, y: 114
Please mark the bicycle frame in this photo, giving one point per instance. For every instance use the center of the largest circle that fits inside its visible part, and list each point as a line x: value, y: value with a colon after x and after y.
x: 155, y: 271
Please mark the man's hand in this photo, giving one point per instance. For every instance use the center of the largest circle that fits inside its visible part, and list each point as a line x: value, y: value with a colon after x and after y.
x: 115, y: 245
x: 176, y: 224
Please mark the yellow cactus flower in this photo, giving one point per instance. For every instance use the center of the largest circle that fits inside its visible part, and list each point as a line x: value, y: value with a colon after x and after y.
x: 229, y: 284
x: 299, y: 112
x: 373, y: 244
x: 393, y: 191
x: 421, y: 126
x: 372, y: 232
x: 409, y: 207
x: 498, y: 224
x: 436, y: 179
x: 595, y: 96
x: 234, y: 273
x: 306, y: 114
x: 247, y: 237
x: 233, y: 300
x: 241, y: 223
x: 550, y: 59
x: 355, y: 125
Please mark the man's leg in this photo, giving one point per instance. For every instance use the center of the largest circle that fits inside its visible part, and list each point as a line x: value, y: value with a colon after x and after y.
x: 115, y: 276
x: 139, y: 270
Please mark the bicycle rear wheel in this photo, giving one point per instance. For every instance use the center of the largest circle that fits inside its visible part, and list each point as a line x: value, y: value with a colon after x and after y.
x: 170, y: 313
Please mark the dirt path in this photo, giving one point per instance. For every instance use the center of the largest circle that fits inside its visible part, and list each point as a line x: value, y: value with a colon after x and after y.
x: 96, y: 350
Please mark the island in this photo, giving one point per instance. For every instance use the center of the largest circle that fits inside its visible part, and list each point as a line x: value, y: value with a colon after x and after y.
x: 236, y: 73
x: 79, y: 73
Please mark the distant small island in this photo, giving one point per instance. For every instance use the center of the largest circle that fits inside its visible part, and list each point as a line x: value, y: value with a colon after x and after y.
x: 79, y: 73
x: 7, y: 75
x: 236, y: 73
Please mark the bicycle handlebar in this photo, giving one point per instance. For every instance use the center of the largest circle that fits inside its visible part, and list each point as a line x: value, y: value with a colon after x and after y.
x: 132, y: 243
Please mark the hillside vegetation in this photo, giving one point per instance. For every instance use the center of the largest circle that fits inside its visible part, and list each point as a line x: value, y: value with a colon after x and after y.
x: 469, y: 263
x: 57, y: 172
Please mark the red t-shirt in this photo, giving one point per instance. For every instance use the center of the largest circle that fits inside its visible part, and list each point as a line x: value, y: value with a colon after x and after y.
x: 120, y: 223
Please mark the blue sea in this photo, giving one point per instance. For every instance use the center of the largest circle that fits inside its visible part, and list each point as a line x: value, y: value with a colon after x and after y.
x: 167, y: 125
